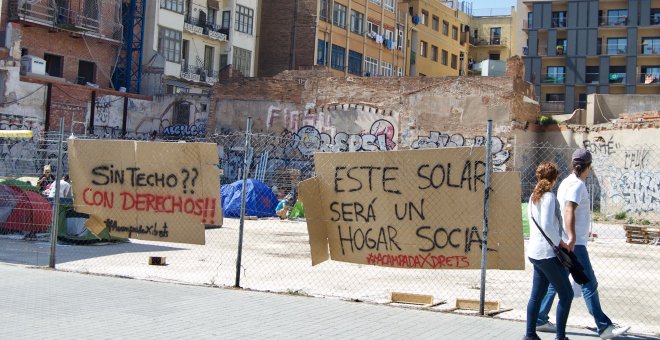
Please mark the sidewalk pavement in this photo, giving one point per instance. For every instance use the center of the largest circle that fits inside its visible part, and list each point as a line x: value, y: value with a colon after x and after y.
x: 38, y: 303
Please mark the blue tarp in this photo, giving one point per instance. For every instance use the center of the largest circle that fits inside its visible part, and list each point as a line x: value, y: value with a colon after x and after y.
x: 260, y: 200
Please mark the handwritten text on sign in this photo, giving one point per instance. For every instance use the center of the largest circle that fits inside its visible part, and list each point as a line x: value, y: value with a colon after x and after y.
x: 146, y: 190
x: 403, y: 210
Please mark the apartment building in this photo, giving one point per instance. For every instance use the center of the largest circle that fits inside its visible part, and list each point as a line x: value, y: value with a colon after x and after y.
x: 491, y: 39
x: 579, y: 47
x: 347, y: 37
x: 437, y: 36
x: 76, y: 40
x: 188, y: 42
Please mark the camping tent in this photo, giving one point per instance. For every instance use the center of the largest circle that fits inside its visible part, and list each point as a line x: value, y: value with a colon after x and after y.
x: 260, y: 200
x: 72, y: 227
x: 23, y: 210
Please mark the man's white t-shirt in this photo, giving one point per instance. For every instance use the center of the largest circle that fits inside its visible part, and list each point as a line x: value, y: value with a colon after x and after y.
x: 573, y: 189
x: 65, y: 189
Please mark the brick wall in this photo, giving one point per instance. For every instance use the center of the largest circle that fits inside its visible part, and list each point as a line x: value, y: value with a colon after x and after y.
x: 276, y: 46
x: 73, y: 47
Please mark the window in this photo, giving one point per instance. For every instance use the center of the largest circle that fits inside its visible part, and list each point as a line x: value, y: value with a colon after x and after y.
x: 389, y: 35
x: 355, y: 63
x: 321, y: 53
x: 445, y: 28
x: 591, y: 74
x: 226, y: 19
x: 244, y: 19
x: 338, y: 56
x: 582, y: 101
x: 494, y: 56
x: 454, y: 32
x: 617, y: 74
x: 389, y: 5
x: 211, y: 17
x: 86, y: 72
x: 454, y: 61
x: 185, y: 47
x: 530, y: 15
x: 172, y: 5
x: 445, y: 58
x: 370, y: 66
x: 423, y: 47
x: 323, y: 13
x: 555, y: 75
x: 373, y: 28
x: 224, y: 60
x: 357, y: 22
x: 386, y: 69
x: 424, y: 18
x: 339, y: 16
x: 554, y: 97
x: 242, y: 60
x: 399, y: 42
x: 655, y: 16
x: 434, y: 53
x: 650, y: 75
x: 399, y: 72
x: 169, y: 44
x: 617, y: 17
x: 651, y: 45
x: 495, y: 34
x: 616, y: 46
x: 435, y: 23
x: 559, y: 19
x: 181, y: 115
x: 599, y: 46
x: 562, y: 46
x: 54, y: 65
x: 377, y: 2
x: 208, y: 60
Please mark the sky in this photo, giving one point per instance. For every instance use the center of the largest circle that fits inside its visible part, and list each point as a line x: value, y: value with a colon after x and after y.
x: 492, y: 3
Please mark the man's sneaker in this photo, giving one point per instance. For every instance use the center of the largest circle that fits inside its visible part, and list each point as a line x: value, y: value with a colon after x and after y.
x: 535, y: 337
x: 547, y: 327
x: 613, y: 330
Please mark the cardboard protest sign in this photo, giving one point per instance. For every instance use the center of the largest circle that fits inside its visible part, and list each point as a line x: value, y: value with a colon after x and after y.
x: 412, y: 209
x: 146, y: 190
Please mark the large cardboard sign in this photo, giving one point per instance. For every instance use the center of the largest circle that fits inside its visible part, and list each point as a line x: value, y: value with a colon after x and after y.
x: 146, y: 190
x: 412, y: 209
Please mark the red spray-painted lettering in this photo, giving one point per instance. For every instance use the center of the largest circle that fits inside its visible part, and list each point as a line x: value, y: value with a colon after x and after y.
x: 418, y: 261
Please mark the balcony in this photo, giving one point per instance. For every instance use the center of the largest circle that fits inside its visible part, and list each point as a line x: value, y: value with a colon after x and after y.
x: 613, y: 21
x: 552, y: 106
x: 616, y: 49
x: 48, y: 13
x: 617, y: 78
x: 493, y: 41
x: 649, y: 78
x: 210, y: 77
x: 553, y: 78
x: 651, y: 47
x: 202, y: 27
x: 191, y: 73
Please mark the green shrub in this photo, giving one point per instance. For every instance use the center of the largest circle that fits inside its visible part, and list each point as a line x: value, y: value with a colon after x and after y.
x: 547, y: 120
x: 631, y: 220
x: 620, y: 216
x: 644, y: 222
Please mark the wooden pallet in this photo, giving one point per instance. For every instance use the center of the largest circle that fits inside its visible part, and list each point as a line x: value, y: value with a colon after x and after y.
x: 414, y: 299
x: 641, y: 235
x: 490, y: 307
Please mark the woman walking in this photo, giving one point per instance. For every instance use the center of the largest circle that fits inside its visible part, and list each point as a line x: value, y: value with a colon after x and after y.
x: 547, y: 268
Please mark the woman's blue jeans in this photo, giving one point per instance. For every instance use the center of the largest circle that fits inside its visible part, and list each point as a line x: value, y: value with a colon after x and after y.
x: 589, y: 292
x: 546, y: 272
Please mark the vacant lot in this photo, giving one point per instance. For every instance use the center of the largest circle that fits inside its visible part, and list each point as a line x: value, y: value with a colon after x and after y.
x: 276, y: 258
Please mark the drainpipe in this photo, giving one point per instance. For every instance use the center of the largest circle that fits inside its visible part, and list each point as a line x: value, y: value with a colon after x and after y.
x: 49, y: 93
x: 92, y: 111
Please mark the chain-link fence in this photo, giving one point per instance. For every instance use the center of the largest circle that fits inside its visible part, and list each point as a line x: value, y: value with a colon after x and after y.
x: 275, y: 252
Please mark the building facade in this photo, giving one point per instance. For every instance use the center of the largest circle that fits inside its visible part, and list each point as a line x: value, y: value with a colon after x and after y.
x: 76, y: 41
x: 361, y: 38
x: 491, y: 38
x: 187, y: 43
x: 580, y: 47
x: 437, y: 38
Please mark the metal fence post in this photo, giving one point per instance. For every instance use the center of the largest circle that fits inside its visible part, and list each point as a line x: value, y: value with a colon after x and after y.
x: 246, y: 169
x: 484, y: 246
x: 56, y: 204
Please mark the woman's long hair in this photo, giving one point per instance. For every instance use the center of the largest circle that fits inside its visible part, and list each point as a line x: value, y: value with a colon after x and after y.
x: 546, y: 174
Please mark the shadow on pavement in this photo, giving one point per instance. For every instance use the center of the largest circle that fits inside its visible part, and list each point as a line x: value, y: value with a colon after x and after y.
x: 37, y: 253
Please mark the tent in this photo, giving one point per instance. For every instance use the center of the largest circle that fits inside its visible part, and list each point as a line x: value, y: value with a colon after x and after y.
x: 72, y: 227
x: 260, y: 200
x: 23, y: 210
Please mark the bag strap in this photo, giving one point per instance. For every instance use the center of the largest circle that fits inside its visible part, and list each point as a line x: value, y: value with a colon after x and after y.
x: 541, y: 230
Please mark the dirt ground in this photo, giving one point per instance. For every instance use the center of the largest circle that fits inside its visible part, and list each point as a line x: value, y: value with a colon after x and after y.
x: 276, y: 258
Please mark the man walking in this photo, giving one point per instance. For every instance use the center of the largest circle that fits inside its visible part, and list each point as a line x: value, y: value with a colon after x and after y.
x: 574, y: 204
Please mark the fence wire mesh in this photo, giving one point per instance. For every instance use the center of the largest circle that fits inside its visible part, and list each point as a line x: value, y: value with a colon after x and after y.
x: 275, y: 254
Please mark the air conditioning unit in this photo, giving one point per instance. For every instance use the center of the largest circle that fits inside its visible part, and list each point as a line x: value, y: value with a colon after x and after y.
x: 32, y: 64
